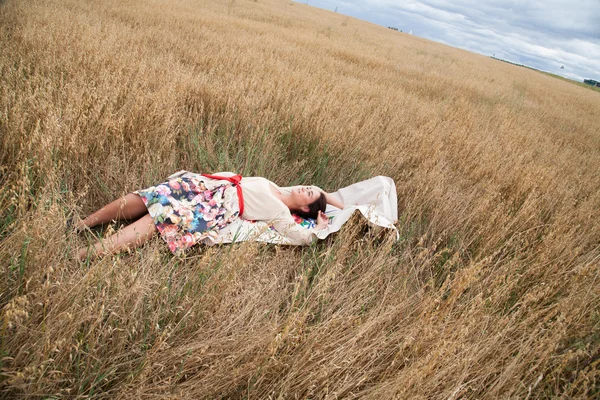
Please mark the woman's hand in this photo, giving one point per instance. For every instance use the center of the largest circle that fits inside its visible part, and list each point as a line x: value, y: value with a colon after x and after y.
x: 322, y: 221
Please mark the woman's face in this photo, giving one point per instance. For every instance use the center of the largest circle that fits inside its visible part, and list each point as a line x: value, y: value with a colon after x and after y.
x: 304, y: 195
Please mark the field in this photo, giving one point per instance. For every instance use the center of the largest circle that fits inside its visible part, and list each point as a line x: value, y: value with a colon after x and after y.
x: 492, y: 291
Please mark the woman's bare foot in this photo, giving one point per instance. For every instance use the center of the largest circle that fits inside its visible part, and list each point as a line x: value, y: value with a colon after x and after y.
x: 81, y: 254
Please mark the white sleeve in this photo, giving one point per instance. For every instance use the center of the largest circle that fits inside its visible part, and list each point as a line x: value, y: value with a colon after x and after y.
x: 298, y: 235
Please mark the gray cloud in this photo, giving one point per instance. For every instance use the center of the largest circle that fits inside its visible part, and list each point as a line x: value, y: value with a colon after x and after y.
x: 542, y: 34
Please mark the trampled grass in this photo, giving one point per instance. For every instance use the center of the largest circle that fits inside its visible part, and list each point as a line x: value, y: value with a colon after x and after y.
x: 491, y: 291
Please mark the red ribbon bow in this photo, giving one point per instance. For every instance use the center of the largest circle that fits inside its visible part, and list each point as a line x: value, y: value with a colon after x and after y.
x: 235, y: 179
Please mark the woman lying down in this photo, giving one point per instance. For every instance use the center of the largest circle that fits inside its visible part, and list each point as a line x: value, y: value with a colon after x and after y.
x: 190, y: 207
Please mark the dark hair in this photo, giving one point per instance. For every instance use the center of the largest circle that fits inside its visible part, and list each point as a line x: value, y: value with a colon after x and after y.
x: 313, y: 208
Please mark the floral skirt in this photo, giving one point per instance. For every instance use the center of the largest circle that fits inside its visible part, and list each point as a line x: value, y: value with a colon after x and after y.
x: 186, y: 212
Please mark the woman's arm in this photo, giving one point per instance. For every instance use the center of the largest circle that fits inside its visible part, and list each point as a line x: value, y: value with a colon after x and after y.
x: 333, y: 201
x: 296, y: 234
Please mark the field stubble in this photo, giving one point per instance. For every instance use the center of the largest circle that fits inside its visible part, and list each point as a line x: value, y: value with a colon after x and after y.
x: 492, y: 290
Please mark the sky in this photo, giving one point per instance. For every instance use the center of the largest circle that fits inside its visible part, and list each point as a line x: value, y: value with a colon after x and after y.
x: 545, y: 35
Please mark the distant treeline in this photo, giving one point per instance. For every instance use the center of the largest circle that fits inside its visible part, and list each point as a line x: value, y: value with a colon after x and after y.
x: 513, y: 63
x: 395, y: 29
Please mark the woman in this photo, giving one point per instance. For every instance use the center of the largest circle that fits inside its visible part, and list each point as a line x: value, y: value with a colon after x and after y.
x: 189, y: 208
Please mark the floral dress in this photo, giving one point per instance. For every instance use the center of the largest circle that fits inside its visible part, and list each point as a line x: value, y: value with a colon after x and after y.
x: 186, y: 211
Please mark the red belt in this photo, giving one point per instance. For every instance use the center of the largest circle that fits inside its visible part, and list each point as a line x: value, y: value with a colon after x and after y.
x: 235, y: 179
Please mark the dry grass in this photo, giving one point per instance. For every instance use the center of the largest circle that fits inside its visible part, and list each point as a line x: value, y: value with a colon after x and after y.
x: 491, y: 292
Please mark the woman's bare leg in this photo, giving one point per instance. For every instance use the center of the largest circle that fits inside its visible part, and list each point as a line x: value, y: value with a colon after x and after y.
x: 132, y: 236
x: 128, y: 207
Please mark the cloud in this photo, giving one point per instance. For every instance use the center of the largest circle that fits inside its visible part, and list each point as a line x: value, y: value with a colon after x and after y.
x: 542, y: 34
